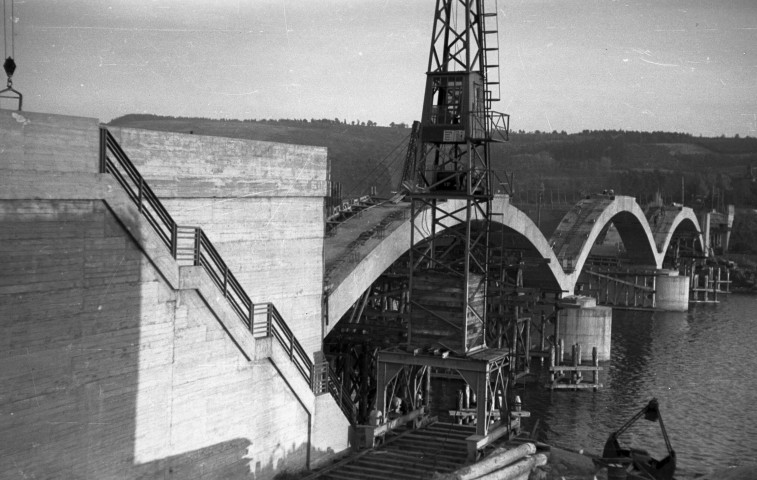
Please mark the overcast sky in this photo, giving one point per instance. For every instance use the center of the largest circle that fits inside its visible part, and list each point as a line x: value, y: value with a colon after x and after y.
x: 675, y: 65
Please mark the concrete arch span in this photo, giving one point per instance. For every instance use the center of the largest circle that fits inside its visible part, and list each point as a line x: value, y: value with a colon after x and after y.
x: 361, y: 263
x: 368, y: 245
x: 580, y: 228
x: 670, y: 222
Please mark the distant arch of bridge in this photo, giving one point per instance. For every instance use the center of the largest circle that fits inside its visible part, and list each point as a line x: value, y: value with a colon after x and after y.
x: 367, y: 245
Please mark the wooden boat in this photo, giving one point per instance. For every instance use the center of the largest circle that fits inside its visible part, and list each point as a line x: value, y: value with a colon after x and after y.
x: 637, y: 463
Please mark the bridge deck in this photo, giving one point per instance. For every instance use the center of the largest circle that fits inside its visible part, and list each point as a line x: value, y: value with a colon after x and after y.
x: 351, y: 240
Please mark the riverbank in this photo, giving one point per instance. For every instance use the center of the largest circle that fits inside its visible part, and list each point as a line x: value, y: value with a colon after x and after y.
x: 743, y: 271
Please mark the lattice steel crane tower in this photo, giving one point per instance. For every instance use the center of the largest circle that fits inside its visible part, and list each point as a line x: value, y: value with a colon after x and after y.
x: 447, y: 177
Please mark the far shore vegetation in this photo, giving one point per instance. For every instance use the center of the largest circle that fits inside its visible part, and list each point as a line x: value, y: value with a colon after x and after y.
x: 553, y: 169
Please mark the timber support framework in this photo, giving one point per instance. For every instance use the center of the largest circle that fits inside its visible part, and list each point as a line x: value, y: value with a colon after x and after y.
x: 486, y: 372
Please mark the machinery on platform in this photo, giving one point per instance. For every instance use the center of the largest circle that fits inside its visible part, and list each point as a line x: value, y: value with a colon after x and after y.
x: 638, y: 463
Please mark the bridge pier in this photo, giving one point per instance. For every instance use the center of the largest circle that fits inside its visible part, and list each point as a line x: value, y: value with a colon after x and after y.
x: 672, y: 291
x: 580, y: 320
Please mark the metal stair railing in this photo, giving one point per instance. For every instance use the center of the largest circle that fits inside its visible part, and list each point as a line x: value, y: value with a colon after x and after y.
x: 119, y: 165
x: 325, y: 380
x: 204, y: 254
x: 267, y: 321
x: 190, y: 245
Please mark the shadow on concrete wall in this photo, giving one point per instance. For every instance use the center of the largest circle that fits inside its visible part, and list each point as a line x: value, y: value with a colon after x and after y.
x: 228, y: 459
x: 70, y: 312
x: 79, y: 304
x: 222, y: 460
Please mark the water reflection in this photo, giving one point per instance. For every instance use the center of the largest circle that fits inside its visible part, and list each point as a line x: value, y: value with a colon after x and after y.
x: 701, y: 367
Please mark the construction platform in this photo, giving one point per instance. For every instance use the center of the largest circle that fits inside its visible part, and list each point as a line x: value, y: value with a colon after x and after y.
x: 406, y: 455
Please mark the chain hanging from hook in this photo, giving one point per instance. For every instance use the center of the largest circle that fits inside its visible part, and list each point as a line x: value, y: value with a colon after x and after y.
x: 10, y: 65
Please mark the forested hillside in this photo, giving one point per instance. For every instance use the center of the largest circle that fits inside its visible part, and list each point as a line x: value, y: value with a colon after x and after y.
x: 701, y: 171
x: 697, y: 170
x: 361, y: 156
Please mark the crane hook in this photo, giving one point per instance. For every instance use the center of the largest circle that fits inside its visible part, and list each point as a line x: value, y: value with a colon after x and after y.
x: 10, y: 69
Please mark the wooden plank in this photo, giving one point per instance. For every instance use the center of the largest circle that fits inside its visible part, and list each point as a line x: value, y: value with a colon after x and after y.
x: 572, y: 368
x: 575, y: 386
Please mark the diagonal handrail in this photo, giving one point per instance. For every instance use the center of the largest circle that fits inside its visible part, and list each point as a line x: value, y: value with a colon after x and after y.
x: 274, y: 325
x: 342, y: 397
x: 325, y: 380
x: 119, y: 165
x: 190, y: 245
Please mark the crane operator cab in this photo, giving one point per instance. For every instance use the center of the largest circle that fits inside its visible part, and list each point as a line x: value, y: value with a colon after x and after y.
x: 454, y: 114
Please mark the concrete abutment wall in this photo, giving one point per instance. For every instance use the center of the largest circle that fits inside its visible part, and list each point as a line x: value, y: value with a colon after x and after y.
x: 109, y: 372
x: 260, y: 203
x: 109, y: 367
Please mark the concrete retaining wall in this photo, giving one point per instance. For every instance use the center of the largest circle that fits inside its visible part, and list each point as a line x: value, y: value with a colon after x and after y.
x: 260, y: 203
x: 109, y: 368
x: 107, y: 372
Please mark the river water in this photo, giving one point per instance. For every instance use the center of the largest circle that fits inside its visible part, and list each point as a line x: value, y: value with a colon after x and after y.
x: 701, y: 365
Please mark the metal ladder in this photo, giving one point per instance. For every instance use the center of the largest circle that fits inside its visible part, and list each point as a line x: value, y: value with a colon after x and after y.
x: 490, y: 43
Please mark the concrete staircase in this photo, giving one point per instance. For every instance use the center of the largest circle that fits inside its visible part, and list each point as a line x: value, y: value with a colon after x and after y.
x: 190, y: 246
x: 193, y: 356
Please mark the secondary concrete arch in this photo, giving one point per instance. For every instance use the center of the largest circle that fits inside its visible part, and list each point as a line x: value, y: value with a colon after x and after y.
x: 580, y: 228
x: 670, y: 221
x: 548, y: 273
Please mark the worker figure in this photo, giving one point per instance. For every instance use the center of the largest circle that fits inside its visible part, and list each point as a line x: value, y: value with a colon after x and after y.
x: 395, y: 408
x: 375, y: 417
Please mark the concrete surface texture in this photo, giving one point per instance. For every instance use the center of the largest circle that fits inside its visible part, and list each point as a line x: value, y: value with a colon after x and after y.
x: 114, y: 361
x: 260, y: 203
x: 589, y: 326
x: 672, y: 293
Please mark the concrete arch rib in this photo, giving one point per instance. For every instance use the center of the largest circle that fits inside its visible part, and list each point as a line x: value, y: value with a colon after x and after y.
x: 360, y: 263
x: 517, y: 221
x: 580, y: 228
x: 355, y: 265
x: 369, y: 244
x: 669, y: 221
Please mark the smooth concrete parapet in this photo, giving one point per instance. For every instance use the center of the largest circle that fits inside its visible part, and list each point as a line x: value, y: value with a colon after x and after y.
x: 43, y: 142
x: 672, y: 292
x: 582, y: 321
x: 180, y: 165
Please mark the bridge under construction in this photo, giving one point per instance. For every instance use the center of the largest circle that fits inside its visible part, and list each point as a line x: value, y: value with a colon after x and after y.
x: 183, y: 306
x: 258, y: 341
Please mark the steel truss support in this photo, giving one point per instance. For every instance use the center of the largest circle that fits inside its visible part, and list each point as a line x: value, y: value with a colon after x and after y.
x: 373, y: 322
x: 460, y: 254
x: 448, y: 178
x: 486, y: 372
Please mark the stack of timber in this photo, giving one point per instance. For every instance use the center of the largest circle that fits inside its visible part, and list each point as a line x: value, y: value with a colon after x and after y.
x: 438, y: 317
x: 502, y: 464
x: 411, y: 455
x: 570, y: 376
